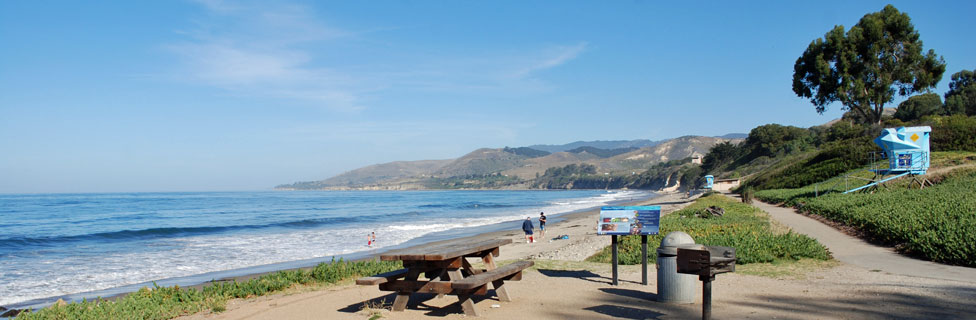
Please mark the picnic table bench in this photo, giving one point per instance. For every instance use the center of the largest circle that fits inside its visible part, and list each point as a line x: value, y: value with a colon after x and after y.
x: 447, y: 271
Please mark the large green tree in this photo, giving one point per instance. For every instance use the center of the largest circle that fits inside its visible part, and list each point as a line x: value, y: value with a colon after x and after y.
x: 919, y: 106
x: 772, y: 140
x: 961, y: 98
x: 864, y: 67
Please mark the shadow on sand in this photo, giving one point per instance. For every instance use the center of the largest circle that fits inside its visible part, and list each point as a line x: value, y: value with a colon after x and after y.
x: 582, y: 275
x: 419, y: 301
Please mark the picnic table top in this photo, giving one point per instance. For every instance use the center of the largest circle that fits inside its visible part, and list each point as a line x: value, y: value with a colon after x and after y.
x: 444, y: 251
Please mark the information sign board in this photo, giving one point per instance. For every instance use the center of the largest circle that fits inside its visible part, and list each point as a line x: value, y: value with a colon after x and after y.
x: 643, y: 220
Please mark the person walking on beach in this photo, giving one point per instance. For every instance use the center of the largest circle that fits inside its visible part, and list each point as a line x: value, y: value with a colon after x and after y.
x: 527, y: 227
x: 369, y: 241
x: 542, y: 225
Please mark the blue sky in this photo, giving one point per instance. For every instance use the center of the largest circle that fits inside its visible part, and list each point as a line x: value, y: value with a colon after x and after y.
x: 119, y: 96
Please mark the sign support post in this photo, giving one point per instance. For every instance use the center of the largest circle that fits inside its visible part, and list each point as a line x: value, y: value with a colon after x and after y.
x: 707, y: 298
x: 613, y: 250
x: 629, y: 220
x: 644, y: 259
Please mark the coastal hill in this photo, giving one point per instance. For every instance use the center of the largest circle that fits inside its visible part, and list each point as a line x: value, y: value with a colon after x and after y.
x: 515, y: 168
x: 599, y: 144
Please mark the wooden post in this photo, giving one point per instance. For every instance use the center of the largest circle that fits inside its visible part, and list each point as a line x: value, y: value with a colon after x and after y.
x: 613, y: 250
x: 467, y: 305
x: 499, y: 285
x: 403, y: 295
x: 644, y: 259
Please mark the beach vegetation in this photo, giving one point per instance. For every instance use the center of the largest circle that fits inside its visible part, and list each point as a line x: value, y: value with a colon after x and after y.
x: 952, y: 133
x: 864, y: 67
x: 373, y: 309
x: 743, y: 227
x: 169, y: 302
x: 747, y: 193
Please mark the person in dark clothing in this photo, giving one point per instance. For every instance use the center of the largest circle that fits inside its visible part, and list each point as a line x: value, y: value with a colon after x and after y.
x: 542, y: 225
x: 527, y: 227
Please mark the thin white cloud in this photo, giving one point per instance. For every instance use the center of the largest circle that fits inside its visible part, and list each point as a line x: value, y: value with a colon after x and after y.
x: 557, y: 57
x: 279, y: 51
x: 257, y: 50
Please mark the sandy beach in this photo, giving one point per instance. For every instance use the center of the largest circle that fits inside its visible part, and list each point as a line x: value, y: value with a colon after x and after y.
x: 563, y: 286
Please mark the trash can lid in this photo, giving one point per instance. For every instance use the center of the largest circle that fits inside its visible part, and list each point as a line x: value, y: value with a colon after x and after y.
x: 673, y: 250
x: 675, y: 238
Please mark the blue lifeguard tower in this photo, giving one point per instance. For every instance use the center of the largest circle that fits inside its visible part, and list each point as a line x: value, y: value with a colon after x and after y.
x: 907, y: 151
x: 709, y: 181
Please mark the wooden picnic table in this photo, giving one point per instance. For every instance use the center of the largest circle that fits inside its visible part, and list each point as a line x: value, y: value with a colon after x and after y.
x: 447, y: 271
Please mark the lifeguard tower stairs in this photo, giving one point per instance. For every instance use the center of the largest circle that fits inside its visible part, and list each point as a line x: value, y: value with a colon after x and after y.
x: 907, y: 151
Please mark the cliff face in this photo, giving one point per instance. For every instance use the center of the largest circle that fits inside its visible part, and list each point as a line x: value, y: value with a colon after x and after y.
x: 674, y: 149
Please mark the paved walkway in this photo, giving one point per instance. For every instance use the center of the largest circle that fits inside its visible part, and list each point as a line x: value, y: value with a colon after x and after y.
x: 857, y: 252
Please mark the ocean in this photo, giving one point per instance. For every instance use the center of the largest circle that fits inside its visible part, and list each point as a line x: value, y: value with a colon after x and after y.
x: 75, y: 246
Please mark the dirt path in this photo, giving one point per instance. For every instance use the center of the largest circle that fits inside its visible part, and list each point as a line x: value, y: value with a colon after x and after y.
x: 857, y: 252
x: 584, y: 292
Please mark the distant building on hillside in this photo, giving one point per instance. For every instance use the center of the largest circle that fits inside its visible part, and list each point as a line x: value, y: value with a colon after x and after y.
x: 725, y: 184
x: 696, y: 159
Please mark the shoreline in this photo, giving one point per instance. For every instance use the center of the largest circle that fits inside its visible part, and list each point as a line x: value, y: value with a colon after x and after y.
x: 583, y: 242
x: 563, y: 286
x: 243, y: 274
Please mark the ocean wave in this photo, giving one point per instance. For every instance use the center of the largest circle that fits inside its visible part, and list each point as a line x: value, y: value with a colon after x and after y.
x: 16, y: 243
x: 469, y: 205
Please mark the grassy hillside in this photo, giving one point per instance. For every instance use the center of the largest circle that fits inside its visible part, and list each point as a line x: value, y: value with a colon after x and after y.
x: 935, y: 223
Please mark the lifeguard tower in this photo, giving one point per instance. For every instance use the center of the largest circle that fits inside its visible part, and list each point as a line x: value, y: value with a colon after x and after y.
x: 907, y: 151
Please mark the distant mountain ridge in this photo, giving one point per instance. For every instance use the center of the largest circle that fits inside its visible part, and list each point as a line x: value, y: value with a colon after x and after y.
x: 602, y: 153
x: 599, y: 144
x: 734, y: 136
x: 516, y: 164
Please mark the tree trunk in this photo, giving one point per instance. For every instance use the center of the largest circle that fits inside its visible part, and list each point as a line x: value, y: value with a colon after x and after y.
x: 879, y: 110
x: 859, y: 109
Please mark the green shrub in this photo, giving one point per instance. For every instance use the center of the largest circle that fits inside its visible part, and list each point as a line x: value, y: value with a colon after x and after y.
x: 953, y: 133
x: 742, y: 226
x: 746, y: 193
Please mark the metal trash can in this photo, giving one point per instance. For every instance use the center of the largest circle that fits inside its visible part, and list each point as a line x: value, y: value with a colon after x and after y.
x: 674, y: 287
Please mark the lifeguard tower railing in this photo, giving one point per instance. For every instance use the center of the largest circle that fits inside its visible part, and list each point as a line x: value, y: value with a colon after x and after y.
x: 905, y: 163
x: 907, y: 152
